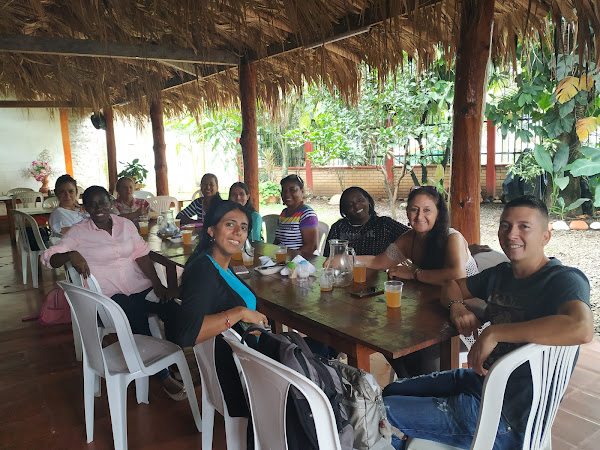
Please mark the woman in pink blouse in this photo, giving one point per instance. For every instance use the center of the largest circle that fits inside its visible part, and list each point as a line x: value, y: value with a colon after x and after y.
x: 128, y: 206
x: 110, y: 247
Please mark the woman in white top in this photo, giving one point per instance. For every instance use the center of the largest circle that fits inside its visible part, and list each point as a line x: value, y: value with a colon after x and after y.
x: 68, y: 212
x: 430, y: 252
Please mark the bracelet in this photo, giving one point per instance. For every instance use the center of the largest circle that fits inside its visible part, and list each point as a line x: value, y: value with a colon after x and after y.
x: 462, y: 302
x: 227, y: 322
x: 416, y: 272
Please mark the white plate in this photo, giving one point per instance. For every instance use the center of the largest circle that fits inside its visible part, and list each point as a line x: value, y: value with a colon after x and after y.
x: 270, y: 270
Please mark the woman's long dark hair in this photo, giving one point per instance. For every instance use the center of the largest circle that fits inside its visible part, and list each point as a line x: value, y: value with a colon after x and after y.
x: 365, y: 194
x: 239, y: 184
x: 434, y: 254
x: 212, y: 218
x: 64, y: 179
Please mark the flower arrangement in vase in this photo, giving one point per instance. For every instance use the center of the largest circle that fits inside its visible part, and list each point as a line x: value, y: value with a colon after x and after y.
x: 40, y: 170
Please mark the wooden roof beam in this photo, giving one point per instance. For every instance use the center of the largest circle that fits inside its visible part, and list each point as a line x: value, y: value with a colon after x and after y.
x: 36, y: 104
x: 97, y: 49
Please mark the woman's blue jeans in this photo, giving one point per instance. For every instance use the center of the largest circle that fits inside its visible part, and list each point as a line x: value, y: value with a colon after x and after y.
x: 442, y: 407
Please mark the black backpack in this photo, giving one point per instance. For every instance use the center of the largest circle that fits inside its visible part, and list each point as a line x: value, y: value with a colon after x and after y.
x: 290, y: 350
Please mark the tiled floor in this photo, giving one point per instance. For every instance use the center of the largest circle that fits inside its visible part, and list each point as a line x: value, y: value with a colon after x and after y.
x: 41, y: 386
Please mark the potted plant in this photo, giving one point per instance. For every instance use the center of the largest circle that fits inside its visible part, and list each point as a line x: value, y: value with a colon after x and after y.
x: 135, y: 171
x: 40, y: 170
x: 269, y: 192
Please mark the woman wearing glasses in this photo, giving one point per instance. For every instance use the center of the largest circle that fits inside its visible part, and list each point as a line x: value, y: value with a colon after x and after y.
x: 297, y: 227
x: 436, y: 252
x: 110, y: 247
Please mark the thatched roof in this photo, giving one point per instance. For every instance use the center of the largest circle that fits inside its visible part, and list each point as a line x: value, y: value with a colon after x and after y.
x: 84, y: 52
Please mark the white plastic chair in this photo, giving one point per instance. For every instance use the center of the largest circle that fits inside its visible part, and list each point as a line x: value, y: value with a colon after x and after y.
x: 92, y: 284
x: 14, y: 191
x: 551, y: 369
x: 143, y: 194
x: 22, y: 223
x: 162, y: 203
x: 268, y: 384
x: 323, y: 231
x: 27, y: 199
x: 270, y: 221
x: 197, y: 194
x: 212, y: 399
x: 51, y: 202
x: 133, y: 357
x: 485, y: 260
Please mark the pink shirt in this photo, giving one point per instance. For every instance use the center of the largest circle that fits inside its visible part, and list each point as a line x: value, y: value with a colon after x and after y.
x: 111, y: 258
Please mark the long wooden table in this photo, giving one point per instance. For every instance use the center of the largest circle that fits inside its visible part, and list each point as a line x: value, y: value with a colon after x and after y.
x: 356, y: 326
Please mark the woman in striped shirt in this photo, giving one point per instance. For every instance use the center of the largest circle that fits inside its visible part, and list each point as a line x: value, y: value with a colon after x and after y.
x: 297, y: 227
x: 209, y: 185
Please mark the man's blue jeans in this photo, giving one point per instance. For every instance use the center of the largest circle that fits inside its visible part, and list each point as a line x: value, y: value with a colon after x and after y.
x: 442, y: 407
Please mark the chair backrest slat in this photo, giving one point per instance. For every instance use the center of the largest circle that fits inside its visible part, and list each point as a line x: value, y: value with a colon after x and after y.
x: 14, y: 191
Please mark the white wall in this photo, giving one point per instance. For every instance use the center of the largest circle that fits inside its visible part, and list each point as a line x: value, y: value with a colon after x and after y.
x: 23, y: 135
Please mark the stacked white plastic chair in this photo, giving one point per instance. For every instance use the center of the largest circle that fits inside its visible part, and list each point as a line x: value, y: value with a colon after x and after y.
x: 132, y: 358
x: 22, y: 223
x: 551, y: 369
x: 27, y: 199
x: 212, y: 400
x: 162, y: 203
x: 268, y: 384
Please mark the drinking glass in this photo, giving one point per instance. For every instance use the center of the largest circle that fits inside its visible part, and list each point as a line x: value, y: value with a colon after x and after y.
x: 143, y: 227
x: 248, y: 256
x: 393, y: 293
x: 187, y: 237
x: 303, y: 270
x: 360, y: 272
x: 326, y: 281
x: 281, y: 254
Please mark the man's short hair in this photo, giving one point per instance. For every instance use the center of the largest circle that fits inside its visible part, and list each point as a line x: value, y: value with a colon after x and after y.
x: 529, y: 201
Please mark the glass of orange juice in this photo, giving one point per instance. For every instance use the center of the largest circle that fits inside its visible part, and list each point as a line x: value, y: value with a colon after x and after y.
x: 393, y: 293
x: 187, y: 237
x: 143, y: 227
x: 281, y: 254
x: 248, y: 256
x: 360, y: 272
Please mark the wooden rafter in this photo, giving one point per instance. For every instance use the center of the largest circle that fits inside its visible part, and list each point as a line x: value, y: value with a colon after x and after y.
x: 85, y: 47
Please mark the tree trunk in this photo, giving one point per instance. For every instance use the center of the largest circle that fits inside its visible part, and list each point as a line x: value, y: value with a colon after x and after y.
x: 472, y: 60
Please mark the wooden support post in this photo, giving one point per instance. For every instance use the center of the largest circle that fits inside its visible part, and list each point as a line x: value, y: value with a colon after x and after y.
x: 111, y: 149
x: 490, y: 168
x: 308, y: 147
x: 160, y: 158
x: 248, y: 140
x: 66, y: 140
x: 472, y: 60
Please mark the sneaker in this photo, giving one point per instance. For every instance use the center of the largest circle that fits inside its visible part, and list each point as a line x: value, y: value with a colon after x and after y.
x: 179, y: 395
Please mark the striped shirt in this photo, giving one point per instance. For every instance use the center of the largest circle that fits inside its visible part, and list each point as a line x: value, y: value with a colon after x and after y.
x: 288, y: 227
x: 193, y: 209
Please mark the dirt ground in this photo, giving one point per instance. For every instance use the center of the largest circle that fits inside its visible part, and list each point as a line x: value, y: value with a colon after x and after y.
x: 579, y: 249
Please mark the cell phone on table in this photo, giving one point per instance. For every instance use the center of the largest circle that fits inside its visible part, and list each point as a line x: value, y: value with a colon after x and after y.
x: 367, y: 292
x: 240, y: 270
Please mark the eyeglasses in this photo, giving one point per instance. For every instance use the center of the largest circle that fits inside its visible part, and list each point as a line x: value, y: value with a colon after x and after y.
x: 432, y: 189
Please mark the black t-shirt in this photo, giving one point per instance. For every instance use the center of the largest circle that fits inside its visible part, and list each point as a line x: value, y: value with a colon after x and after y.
x: 204, y: 292
x: 372, y: 238
x: 511, y: 300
